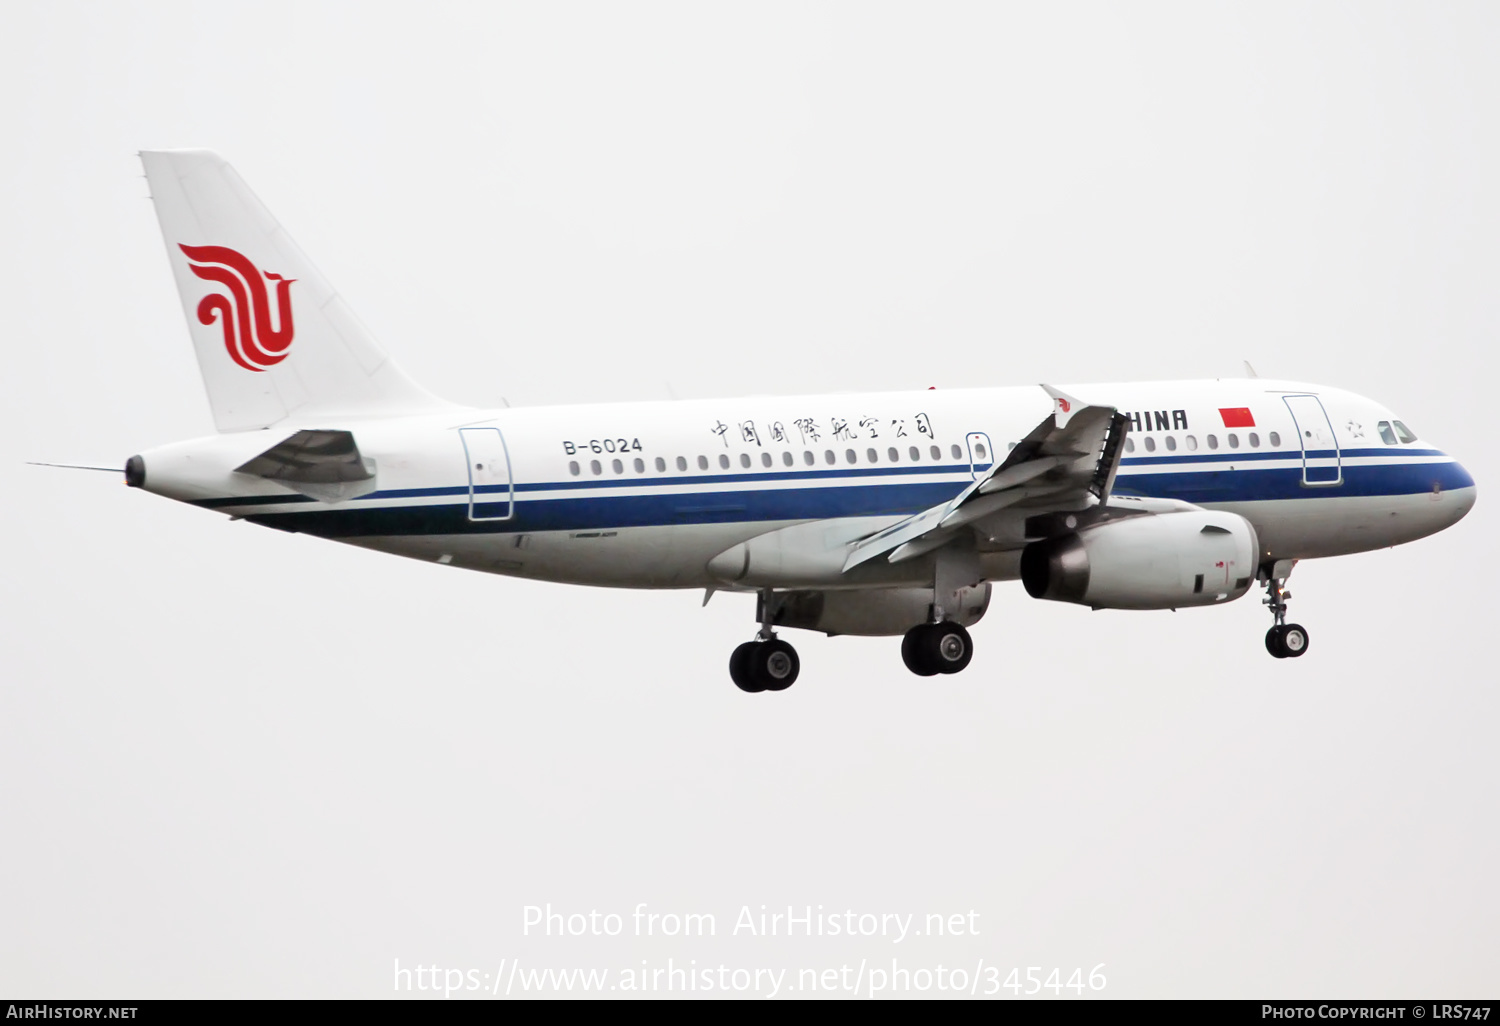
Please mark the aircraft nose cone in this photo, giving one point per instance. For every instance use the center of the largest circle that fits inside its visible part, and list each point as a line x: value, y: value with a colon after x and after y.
x: 1467, y: 488
x: 1454, y: 491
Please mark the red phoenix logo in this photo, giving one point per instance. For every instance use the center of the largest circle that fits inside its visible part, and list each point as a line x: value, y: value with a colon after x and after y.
x: 245, y: 314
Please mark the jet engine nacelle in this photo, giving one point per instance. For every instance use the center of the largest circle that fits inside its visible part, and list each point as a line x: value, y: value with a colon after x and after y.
x: 1166, y: 561
x: 872, y: 612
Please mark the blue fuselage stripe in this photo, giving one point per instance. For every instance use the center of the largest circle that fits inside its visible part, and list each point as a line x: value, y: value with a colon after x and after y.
x: 748, y: 503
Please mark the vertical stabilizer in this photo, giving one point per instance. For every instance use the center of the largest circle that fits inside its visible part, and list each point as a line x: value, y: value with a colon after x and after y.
x: 273, y: 339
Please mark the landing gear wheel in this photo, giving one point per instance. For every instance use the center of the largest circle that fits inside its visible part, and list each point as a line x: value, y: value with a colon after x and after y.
x: 775, y: 665
x: 949, y: 646
x: 1273, y: 642
x: 770, y: 665
x: 739, y: 668
x: 914, y: 652
x: 933, y: 648
x: 1294, y: 640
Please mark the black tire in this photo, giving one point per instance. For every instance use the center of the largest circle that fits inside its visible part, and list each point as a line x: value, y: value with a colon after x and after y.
x: 948, y: 646
x: 1273, y: 642
x: 740, y: 670
x: 774, y: 665
x: 1294, y: 640
x: 914, y: 652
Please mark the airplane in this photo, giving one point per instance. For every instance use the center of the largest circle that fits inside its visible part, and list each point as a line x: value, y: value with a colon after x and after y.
x: 851, y: 514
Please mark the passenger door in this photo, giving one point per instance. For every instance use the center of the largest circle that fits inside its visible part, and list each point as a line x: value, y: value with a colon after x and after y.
x: 1321, y: 464
x: 491, y: 491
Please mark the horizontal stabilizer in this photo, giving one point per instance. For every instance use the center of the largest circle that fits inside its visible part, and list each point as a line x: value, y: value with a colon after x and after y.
x: 325, y: 465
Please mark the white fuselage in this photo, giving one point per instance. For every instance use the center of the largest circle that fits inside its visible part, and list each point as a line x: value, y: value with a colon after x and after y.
x: 646, y: 495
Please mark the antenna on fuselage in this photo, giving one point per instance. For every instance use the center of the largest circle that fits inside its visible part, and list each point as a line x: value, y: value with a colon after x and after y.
x: 1250, y: 371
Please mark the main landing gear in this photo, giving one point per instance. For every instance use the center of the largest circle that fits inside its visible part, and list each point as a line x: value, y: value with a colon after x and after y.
x: 1284, y: 640
x: 932, y: 648
x: 767, y: 663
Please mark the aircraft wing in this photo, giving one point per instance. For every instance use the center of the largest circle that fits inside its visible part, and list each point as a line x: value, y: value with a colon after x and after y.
x: 1067, y: 462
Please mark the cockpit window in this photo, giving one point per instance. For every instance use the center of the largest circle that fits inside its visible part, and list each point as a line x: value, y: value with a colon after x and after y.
x: 1386, y: 434
x: 1404, y: 433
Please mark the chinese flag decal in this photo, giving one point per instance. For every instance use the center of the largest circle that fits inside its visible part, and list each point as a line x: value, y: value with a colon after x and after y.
x: 1239, y: 416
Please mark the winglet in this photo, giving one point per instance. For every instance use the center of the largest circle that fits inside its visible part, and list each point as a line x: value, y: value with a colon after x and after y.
x: 1063, y: 405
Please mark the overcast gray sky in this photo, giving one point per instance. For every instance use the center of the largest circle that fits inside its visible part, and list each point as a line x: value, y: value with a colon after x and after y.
x: 237, y: 762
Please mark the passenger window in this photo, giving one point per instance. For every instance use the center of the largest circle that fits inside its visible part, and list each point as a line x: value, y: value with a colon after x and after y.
x: 1191, y: 441
x: 682, y: 463
x: 1275, y: 440
x: 915, y: 454
x: 617, y: 466
x: 979, y: 451
x: 1386, y: 434
x: 937, y: 453
x: 1213, y: 441
x: 765, y: 459
x: 1254, y: 440
x: 894, y: 454
x: 808, y: 457
x: 723, y: 462
x: 1403, y: 432
x: 1150, y: 444
x: 594, y: 466
x: 850, y: 455
x: 873, y: 455
x: 1130, y: 445
x: 1012, y: 445
x: 829, y: 458
x: 640, y: 465
x: 786, y: 457
x: 1234, y: 440
x: 1171, y: 443
x: 958, y: 453
x: 745, y: 460
x: 573, y: 467
x: 661, y: 465
x: 702, y: 462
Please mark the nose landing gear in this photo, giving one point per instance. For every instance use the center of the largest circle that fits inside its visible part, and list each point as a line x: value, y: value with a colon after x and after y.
x: 1284, y: 640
